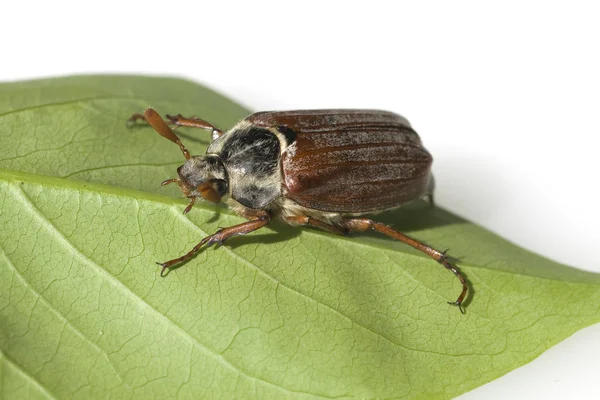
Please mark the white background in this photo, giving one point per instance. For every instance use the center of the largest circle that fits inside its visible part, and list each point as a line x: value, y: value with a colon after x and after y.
x: 506, y: 96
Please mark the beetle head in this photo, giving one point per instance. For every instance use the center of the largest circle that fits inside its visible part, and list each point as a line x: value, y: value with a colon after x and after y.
x: 203, y: 177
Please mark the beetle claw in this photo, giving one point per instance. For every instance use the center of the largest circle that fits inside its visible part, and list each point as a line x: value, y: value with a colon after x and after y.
x: 212, y: 241
x: 132, y: 121
x: 457, y: 304
x: 164, y: 268
x: 174, y: 120
x: 444, y: 257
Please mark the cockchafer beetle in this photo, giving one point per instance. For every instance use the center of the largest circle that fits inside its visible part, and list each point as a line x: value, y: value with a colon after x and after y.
x: 322, y: 168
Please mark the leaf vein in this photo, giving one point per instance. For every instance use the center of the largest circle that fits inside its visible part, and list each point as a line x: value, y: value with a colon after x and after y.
x: 68, y: 102
x: 41, y: 298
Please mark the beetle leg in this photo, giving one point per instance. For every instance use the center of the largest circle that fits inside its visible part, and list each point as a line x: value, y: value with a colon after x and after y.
x: 430, y: 190
x: 190, y: 205
x: 132, y: 121
x: 156, y: 122
x: 195, y: 122
x: 363, y: 224
x: 303, y: 220
x: 219, y: 236
x: 138, y: 116
x: 179, y: 120
x: 431, y: 199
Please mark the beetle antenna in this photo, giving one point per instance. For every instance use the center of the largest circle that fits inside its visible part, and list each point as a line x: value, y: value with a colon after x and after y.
x: 163, y: 129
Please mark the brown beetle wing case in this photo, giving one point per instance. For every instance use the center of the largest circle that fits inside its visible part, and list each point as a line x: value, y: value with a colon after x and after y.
x: 350, y: 161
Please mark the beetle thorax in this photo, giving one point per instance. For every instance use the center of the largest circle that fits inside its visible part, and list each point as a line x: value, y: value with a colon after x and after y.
x: 251, y: 156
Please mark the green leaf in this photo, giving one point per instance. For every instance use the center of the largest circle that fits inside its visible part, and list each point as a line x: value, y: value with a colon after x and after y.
x: 282, y: 312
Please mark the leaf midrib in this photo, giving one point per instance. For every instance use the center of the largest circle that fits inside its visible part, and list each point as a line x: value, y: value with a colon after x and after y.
x: 18, y: 176
x: 101, y: 188
x: 25, y: 373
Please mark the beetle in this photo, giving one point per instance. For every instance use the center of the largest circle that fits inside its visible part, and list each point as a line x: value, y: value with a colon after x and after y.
x: 321, y: 168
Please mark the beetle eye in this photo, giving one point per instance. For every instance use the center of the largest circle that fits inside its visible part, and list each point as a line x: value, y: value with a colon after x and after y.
x: 220, y: 186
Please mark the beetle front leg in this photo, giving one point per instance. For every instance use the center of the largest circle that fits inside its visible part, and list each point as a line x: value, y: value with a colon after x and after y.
x: 195, y: 122
x: 219, y: 237
x: 363, y: 224
x: 179, y: 120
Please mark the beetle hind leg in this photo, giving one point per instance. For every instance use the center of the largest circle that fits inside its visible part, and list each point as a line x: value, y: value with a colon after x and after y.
x: 431, y: 200
x: 363, y: 224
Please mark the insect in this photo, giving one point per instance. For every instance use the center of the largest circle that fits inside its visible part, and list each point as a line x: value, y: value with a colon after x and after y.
x: 321, y: 168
